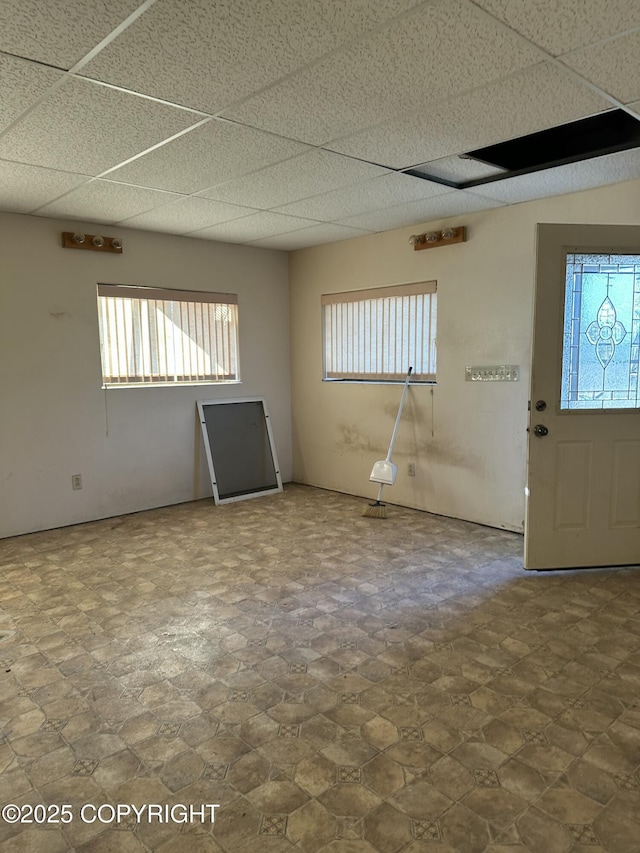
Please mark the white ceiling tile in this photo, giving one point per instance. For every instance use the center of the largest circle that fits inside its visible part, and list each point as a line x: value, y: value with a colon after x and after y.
x: 363, y: 197
x: 313, y: 236
x: 84, y: 127
x: 440, y: 50
x: 207, y: 55
x: 25, y: 188
x: 103, y: 201
x: 186, y: 214
x: 635, y: 107
x: 313, y: 173
x: 59, y: 32
x: 459, y: 169
x: 614, y: 66
x: 536, y: 98
x: 567, y: 25
x: 454, y: 203
x: 207, y: 155
x: 574, y: 177
x: 261, y: 224
x: 22, y: 84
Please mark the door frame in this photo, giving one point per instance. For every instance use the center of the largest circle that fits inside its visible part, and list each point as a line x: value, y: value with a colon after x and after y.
x: 553, y: 242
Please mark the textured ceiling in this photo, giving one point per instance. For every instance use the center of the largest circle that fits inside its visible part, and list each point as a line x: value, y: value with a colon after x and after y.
x: 288, y: 123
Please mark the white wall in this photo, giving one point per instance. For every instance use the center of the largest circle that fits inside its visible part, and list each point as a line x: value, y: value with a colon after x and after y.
x: 468, y: 440
x: 135, y: 448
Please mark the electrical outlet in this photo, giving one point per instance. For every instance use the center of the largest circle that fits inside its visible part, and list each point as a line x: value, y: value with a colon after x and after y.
x: 76, y: 481
x: 411, y: 469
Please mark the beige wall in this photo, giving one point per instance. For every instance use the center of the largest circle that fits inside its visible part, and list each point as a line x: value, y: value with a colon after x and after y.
x: 140, y: 448
x: 135, y: 448
x: 468, y: 440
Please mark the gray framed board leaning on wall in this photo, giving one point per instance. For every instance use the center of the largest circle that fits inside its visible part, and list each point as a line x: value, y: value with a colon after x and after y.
x: 240, y: 449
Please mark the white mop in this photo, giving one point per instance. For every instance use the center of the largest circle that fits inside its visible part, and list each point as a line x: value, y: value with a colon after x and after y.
x: 385, y: 471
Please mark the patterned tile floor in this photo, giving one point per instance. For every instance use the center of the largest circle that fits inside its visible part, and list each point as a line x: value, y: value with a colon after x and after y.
x: 337, y: 684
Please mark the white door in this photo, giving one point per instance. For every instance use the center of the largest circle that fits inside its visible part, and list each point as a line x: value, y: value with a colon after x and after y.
x: 583, y: 471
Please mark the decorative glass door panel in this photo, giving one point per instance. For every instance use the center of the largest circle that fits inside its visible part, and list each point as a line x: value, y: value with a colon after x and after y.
x: 601, y: 339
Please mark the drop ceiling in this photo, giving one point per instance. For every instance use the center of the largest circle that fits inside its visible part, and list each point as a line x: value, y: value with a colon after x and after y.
x: 291, y: 123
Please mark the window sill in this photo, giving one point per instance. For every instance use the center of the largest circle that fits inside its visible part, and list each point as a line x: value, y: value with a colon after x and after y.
x: 430, y: 382
x: 128, y: 385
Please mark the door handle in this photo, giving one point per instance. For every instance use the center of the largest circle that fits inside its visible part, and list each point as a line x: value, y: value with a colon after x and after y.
x: 540, y: 430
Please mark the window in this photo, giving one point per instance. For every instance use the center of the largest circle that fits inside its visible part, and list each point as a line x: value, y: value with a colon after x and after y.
x: 601, y: 332
x: 378, y: 334
x: 150, y: 336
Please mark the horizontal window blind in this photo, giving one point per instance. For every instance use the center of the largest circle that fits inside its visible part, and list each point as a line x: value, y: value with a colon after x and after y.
x: 150, y: 335
x: 381, y: 332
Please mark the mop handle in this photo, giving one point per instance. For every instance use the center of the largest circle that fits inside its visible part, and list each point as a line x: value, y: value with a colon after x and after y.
x: 397, y: 424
